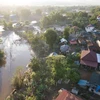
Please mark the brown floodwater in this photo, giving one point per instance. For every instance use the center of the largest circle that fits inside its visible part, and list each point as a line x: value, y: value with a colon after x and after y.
x: 18, y: 53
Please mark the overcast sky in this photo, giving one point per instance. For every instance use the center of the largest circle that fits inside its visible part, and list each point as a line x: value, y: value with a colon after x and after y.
x: 50, y: 2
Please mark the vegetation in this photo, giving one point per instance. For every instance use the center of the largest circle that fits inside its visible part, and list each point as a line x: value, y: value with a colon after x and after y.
x: 42, y: 77
x: 17, y: 81
x: 7, y: 25
x: 24, y: 13
x: 53, y: 18
x: 66, y: 32
x: 2, y: 58
x: 38, y: 45
x: 50, y: 37
x: 44, y: 72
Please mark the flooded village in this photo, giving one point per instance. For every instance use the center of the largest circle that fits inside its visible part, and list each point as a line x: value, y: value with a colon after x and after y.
x: 50, y: 53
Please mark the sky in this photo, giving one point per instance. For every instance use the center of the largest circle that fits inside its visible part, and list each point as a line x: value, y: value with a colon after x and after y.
x: 50, y: 2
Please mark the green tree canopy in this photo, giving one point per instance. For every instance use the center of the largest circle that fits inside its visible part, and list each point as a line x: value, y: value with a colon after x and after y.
x: 50, y: 37
x: 62, y: 68
x: 38, y: 11
x: 24, y: 13
x: 66, y: 32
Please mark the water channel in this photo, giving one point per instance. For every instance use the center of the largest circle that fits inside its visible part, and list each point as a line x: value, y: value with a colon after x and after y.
x: 18, y: 53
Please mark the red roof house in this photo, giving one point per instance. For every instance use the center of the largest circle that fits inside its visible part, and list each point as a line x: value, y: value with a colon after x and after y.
x: 88, y: 58
x: 65, y: 95
x: 73, y: 41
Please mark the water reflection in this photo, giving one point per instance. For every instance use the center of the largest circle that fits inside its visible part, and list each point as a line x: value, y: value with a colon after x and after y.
x: 17, y: 54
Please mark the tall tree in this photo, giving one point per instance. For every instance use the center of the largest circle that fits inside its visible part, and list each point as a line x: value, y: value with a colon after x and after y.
x: 66, y: 32
x: 25, y: 13
x: 50, y: 37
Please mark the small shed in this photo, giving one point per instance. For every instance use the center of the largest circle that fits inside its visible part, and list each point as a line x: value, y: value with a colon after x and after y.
x: 83, y: 82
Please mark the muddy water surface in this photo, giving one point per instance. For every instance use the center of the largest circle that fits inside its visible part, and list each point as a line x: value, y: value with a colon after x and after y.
x: 18, y: 53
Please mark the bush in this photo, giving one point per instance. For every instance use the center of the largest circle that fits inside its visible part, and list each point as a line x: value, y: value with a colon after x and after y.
x: 17, y: 80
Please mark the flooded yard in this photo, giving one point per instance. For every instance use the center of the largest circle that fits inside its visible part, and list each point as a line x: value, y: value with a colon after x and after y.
x: 18, y: 53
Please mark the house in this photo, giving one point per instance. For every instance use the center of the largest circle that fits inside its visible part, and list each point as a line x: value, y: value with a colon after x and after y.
x: 94, y: 46
x: 98, y: 17
x: 89, y: 58
x: 66, y: 95
x: 98, y: 60
x: 53, y: 54
x: 95, y: 83
x: 2, y: 28
x: 63, y: 40
x: 73, y: 41
x: 95, y: 89
x: 64, y: 48
x: 1, y: 17
x: 33, y: 23
x: 95, y: 78
x: 59, y: 28
x: 13, y: 17
x: 89, y: 28
x: 81, y: 41
x: 16, y: 25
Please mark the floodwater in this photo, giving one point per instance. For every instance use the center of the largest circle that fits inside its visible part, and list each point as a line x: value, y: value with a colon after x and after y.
x: 18, y: 53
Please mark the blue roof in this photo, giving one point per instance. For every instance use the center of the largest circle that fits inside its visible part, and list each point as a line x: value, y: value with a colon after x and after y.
x: 83, y: 82
x: 97, y: 88
x: 97, y: 32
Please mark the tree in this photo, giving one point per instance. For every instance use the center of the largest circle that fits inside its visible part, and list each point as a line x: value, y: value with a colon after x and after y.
x: 25, y: 13
x: 45, y: 21
x: 53, y: 18
x: 50, y: 37
x: 93, y: 20
x: 74, y: 75
x: 38, y: 11
x: 66, y: 32
x: 5, y: 24
x: 58, y: 65
x: 82, y: 14
x: 62, y: 68
x: 38, y: 45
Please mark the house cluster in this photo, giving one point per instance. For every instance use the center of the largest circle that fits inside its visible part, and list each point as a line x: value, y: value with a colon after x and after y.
x: 30, y: 26
x: 12, y: 17
x: 88, y: 41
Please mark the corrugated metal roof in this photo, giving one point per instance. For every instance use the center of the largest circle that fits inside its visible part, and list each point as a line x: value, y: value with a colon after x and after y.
x: 89, y: 58
x: 65, y: 95
x: 88, y: 55
x: 95, y: 78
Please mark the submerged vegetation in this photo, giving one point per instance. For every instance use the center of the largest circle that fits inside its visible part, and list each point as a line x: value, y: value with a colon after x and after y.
x: 2, y: 58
